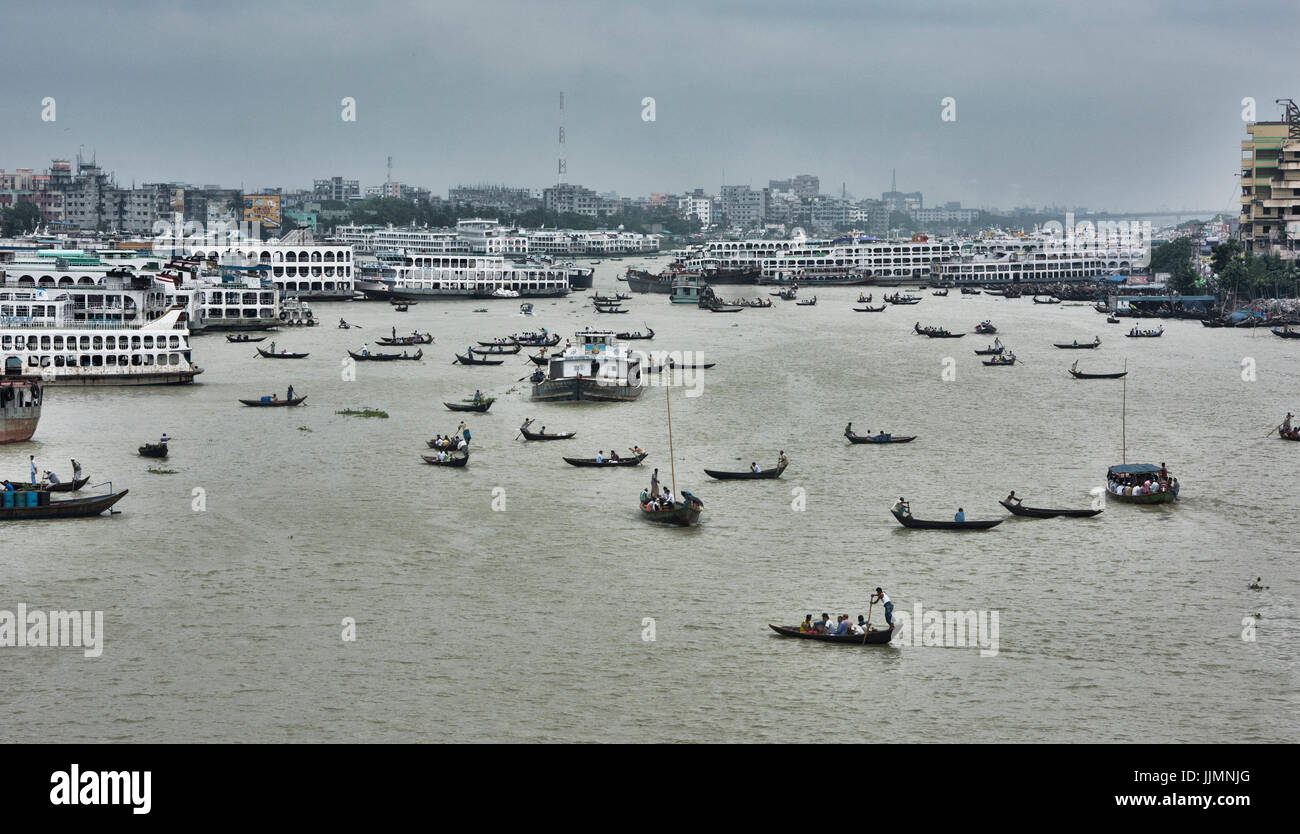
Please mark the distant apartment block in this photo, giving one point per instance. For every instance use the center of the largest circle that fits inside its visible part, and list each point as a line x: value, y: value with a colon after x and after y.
x: 743, y: 206
x: 806, y: 186
x: 566, y: 198
x: 1270, y: 186
x: 944, y: 215
x: 902, y: 201
x: 336, y: 188
x: 495, y: 198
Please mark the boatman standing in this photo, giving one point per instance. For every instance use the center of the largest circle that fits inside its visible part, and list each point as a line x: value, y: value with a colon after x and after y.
x: 782, y: 460
x: 76, y: 470
x: 32, y: 460
x: 654, y: 482
x: 881, y: 596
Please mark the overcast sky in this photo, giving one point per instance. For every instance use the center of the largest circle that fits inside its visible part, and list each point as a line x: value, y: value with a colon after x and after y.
x: 1120, y: 105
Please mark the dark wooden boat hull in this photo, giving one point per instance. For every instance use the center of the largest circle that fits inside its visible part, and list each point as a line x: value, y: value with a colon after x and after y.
x: 532, y: 435
x: 500, y: 351
x: 869, y: 309
x: 153, y: 450
x: 853, y: 438
x: 1038, y: 512
x: 405, y: 341
x: 233, y: 340
x: 266, y: 355
x: 387, y: 357
x: 874, y: 637
x: 995, y: 364
x: 1085, y: 346
x: 1286, y: 334
x: 479, y: 407
x: 683, y: 514
x: 997, y: 352
x: 632, y: 337
x: 633, y: 461
x: 1082, y: 375
x: 465, y: 360
x: 456, y: 463
x: 62, y: 486
x: 274, y: 403
x: 71, y: 508
x: 1294, y: 435
x: 745, y: 476
x: 921, y: 524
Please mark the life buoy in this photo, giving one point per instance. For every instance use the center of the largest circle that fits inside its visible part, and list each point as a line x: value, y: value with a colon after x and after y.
x: 284, y: 315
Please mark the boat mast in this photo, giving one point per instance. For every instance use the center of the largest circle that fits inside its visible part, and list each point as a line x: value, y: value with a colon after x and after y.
x: 1123, y: 430
x: 672, y: 461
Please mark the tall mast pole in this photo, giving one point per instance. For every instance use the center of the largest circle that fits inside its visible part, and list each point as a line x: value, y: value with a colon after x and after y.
x: 1123, y: 431
x: 672, y: 460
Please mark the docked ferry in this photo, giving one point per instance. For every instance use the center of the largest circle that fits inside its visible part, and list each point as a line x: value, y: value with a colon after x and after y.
x: 1035, y: 262
x: 39, y: 335
x: 597, y: 368
x: 20, y: 404
x: 419, y: 276
x: 851, y: 261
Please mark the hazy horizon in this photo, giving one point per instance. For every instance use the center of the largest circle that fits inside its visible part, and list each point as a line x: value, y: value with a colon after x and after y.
x: 1109, y: 106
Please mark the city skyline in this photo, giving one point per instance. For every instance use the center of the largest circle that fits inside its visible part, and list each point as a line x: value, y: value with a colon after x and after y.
x: 1151, y: 118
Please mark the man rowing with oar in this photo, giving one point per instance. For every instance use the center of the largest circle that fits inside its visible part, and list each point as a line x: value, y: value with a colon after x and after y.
x: 881, y: 596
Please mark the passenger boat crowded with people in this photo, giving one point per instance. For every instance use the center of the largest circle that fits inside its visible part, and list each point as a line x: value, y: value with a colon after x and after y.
x: 594, y: 369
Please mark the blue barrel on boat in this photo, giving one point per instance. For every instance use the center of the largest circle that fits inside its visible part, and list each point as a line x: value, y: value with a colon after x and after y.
x: 266, y: 399
x: 32, y: 497
x: 9, y: 498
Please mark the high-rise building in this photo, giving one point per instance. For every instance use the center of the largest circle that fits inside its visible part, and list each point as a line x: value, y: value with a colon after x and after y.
x: 1270, y: 186
x: 743, y: 206
x: 336, y: 188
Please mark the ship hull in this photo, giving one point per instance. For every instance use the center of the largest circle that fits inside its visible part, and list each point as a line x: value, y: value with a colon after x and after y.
x: 585, y: 389
x: 15, y: 428
x: 98, y: 381
x: 402, y: 294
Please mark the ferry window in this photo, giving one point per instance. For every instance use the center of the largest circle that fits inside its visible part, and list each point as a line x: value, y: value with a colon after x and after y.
x: 148, y: 359
x: 175, y: 341
x: 45, y: 343
x: 58, y: 343
x: 98, y: 343
x: 135, y: 343
x: 97, y: 361
x: 135, y: 359
x: 174, y: 359
x: 85, y: 360
x: 111, y: 359
x: 58, y: 361
x: 34, y: 361
x: 148, y: 341
x: 20, y: 342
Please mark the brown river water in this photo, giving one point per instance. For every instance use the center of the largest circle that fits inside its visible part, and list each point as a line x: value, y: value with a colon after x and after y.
x: 511, y: 600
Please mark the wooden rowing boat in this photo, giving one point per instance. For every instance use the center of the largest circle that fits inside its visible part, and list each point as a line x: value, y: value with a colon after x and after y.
x: 481, y: 406
x: 921, y: 524
x: 889, y: 438
x: 534, y: 435
x: 1082, y: 375
x: 632, y: 461
x: 1078, y: 346
x: 387, y: 357
x: 869, y: 309
x: 1038, y: 512
x: 992, y: 351
x: 467, y: 360
x: 231, y: 337
x: 403, y: 341
x: 682, y: 513
x: 267, y: 355
x: 457, y: 462
x: 153, y: 450
x: 650, y: 334
x: 746, y: 476
x: 260, y: 403
x: 874, y: 637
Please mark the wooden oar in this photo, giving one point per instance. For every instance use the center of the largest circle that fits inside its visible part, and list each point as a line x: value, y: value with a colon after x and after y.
x: 1276, y: 428
x: 867, y: 629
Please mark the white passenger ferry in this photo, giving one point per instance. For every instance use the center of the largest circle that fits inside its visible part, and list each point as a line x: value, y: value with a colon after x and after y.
x: 857, y: 261
x: 596, y: 368
x: 38, y: 332
x: 307, y: 270
x: 1034, y: 261
x: 411, y: 277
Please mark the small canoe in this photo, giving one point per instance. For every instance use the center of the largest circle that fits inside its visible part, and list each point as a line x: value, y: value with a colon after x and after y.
x: 854, y: 438
x: 466, y: 360
x: 551, y: 342
x: 1082, y: 375
x: 746, y: 476
x: 990, y: 351
x: 1038, y: 512
x: 539, y: 360
x: 1146, y: 334
x: 812, y: 302
x: 1285, y: 332
x: 869, y: 309
x: 697, y: 366
x: 500, y: 350
x: 260, y: 403
x: 481, y: 407
x: 231, y: 337
x: 724, y: 308
x: 1078, y: 345
x: 649, y: 334
x: 387, y: 357
x: 921, y: 524
x: 1294, y: 434
x: 399, y: 308
x: 267, y: 355
x: 940, y: 293
x: 1113, y: 320
x: 153, y: 450
x: 456, y: 461
x: 945, y: 335
x: 533, y: 435
x: 874, y: 637
x: 402, y: 341
x: 1000, y: 361
x: 399, y: 303
x: 984, y: 330
x: 611, y: 310
x: 632, y: 461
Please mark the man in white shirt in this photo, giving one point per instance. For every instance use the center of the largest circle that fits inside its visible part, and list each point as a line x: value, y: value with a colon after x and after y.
x: 668, y: 498
x: 881, y: 596
x: 600, y: 456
